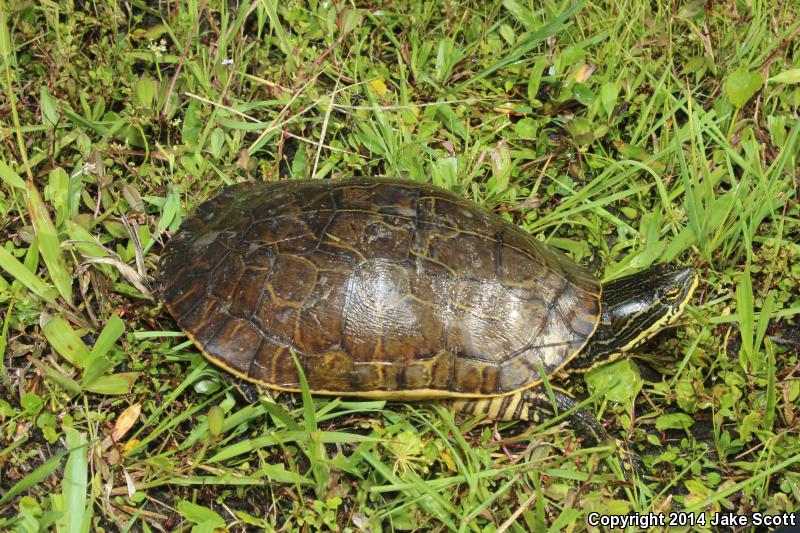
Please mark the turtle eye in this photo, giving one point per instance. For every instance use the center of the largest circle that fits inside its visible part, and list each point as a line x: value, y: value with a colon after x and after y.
x: 673, y: 294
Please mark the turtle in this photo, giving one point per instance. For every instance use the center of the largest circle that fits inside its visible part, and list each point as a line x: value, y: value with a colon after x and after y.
x: 399, y: 290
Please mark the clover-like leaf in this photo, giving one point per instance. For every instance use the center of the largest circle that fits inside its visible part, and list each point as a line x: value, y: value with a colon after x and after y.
x: 620, y: 380
x: 740, y: 86
x: 674, y: 421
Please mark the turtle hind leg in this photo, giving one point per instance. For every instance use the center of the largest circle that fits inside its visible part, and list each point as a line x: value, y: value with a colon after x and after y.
x: 247, y: 390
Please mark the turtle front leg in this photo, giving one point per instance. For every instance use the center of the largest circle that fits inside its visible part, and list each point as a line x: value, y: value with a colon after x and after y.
x: 587, y: 427
x: 535, y: 406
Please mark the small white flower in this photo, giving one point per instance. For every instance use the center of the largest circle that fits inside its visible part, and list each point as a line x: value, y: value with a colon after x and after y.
x: 158, y: 49
x: 227, y: 61
x: 87, y: 168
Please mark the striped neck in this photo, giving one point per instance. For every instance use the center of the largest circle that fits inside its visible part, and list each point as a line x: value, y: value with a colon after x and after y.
x: 635, y: 308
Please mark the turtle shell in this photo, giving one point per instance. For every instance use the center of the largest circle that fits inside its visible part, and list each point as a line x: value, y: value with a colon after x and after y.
x: 380, y: 288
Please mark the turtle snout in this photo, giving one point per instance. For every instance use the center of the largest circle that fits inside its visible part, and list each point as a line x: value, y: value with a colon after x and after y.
x: 683, y: 276
x: 680, y: 284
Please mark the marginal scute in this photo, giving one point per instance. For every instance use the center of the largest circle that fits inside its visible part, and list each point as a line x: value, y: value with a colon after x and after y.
x: 239, y: 340
x: 185, y: 292
x: 204, y: 320
x: 335, y: 368
x: 467, y: 375
x: 383, y: 287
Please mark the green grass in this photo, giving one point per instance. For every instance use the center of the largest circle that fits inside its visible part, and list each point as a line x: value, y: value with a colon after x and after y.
x: 625, y: 133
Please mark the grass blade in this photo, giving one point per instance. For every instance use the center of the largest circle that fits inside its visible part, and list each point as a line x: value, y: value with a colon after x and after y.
x: 49, y: 245
x: 205, y: 518
x: 57, y: 377
x: 278, y: 474
x: 316, y: 451
x: 35, y: 477
x: 744, y: 307
x: 772, y: 393
x: 763, y: 319
x: 75, y: 483
x: 112, y: 331
x: 17, y: 270
x: 66, y: 342
x: 10, y: 177
x: 114, y: 384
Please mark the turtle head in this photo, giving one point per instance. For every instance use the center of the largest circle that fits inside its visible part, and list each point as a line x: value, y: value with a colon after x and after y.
x: 635, y: 307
